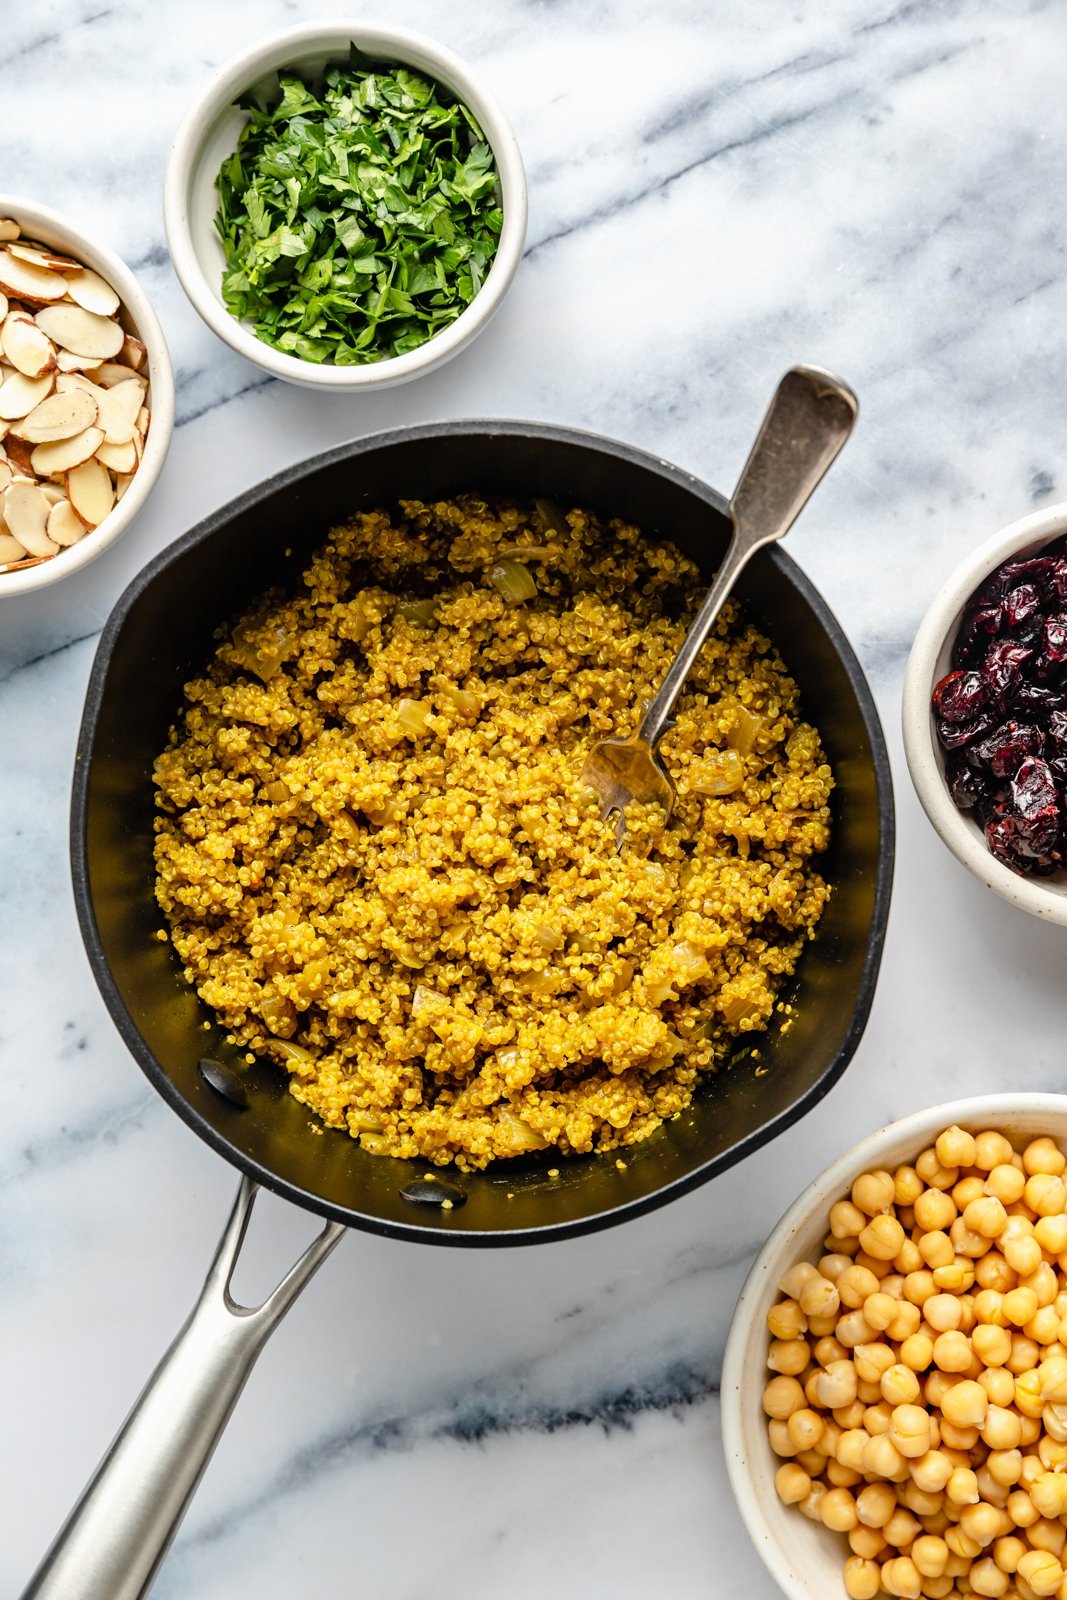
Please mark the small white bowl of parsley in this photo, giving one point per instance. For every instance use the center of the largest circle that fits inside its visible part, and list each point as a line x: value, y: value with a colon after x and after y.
x: 346, y: 206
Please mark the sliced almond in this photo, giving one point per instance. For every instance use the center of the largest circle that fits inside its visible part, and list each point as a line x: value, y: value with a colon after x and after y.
x: 6, y: 475
x: 19, y: 394
x: 69, y: 361
x: 52, y: 492
x: 20, y: 455
x: 28, y: 281
x: 119, y: 457
x: 65, y: 527
x: 28, y: 349
x: 122, y: 483
x: 10, y: 550
x: 66, y: 381
x: 92, y: 494
x: 90, y: 290
x: 40, y: 255
x: 81, y: 331
x: 119, y: 409
x: 133, y: 352
x: 9, y: 228
x: 26, y: 514
x: 144, y: 417
x: 61, y: 416
x: 4, y: 303
x: 65, y: 454
x: 108, y: 373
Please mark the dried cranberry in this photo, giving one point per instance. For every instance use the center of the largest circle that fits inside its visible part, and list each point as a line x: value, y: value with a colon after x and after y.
x: 961, y: 695
x: 969, y: 785
x: 1037, y: 570
x: 979, y: 626
x: 1002, y: 667
x: 1039, y: 698
x: 1003, y: 750
x: 1057, y: 727
x: 955, y: 734
x: 1020, y: 604
x: 1058, y: 581
x: 1055, y: 637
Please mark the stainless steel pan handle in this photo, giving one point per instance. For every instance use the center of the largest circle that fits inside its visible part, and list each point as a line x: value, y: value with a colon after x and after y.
x: 111, y: 1545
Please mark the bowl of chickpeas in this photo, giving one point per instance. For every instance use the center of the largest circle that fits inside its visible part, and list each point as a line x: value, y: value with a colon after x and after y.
x: 894, y: 1387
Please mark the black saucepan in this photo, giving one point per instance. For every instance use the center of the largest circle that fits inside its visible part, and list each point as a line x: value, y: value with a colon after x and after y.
x: 158, y: 635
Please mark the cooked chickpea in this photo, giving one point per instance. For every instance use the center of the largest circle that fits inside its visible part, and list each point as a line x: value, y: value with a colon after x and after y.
x: 1044, y: 1534
x: 879, y: 1310
x: 866, y: 1542
x: 875, y: 1504
x: 906, y: 1322
x: 955, y: 1148
x: 778, y: 1434
x: 850, y: 1448
x: 1049, y: 1494
x: 957, y: 1276
x: 934, y: 1211
x: 818, y: 1297
x: 917, y: 1352
x: 902, y: 1528
x: 847, y: 1221
x: 871, y: 1360
x: 1054, y: 1420
x: 855, y: 1285
x: 788, y: 1356
x: 833, y: 1266
x: 1005, y: 1467
x: 965, y: 1405
x: 966, y: 1190
x: 1044, y: 1283
x: 986, y: 1216
x: 967, y: 1242
x: 835, y: 1385
x: 1001, y: 1429
x: 957, y: 1438
x: 1044, y: 1326
x: 786, y: 1320
x: 863, y: 1579
x: 838, y: 1510
x: 781, y: 1397
x: 980, y: 1522
x: 873, y: 1192
x: 901, y: 1577
x: 952, y: 1352
x: 1021, y: 1509
x: 877, y: 1417
x: 899, y: 1385
x: 853, y: 1329
x: 1024, y: 1354
x: 991, y: 1271
x: 794, y: 1278
x: 932, y: 1471
x: 1008, y: 1551
x: 986, y: 1578
x: 828, y: 1349
x: 1020, y: 1304
x: 991, y: 1149
x: 1041, y: 1571
x: 792, y: 1483
x: 932, y: 1173
x: 1044, y: 1155
x: 1006, y: 1184
x: 1051, y: 1233
x: 849, y: 1416
x: 962, y: 1487
x: 991, y: 1344
x: 930, y: 1555
x: 907, y: 1186
x: 943, y: 1312
x: 909, y: 1431
x: 882, y: 1238
x: 819, y: 1327
x: 961, y: 1544
x: 936, y: 1248
x: 812, y: 1502
x: 805, y: 1429
x: 1052, y: 1454
x: 999, y: 1385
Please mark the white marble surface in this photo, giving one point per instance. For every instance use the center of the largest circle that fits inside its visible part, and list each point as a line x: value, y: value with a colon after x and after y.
x: 716, y: 190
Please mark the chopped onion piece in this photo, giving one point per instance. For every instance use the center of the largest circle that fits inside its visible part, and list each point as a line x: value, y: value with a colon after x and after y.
x: 718, y: 772
x: 414, y: 717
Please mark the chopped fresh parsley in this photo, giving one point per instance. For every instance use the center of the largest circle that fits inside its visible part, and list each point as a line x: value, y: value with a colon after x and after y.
x: 359, y: 219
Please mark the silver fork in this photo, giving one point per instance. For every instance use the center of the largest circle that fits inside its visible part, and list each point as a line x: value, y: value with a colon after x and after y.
x: 806, y: 425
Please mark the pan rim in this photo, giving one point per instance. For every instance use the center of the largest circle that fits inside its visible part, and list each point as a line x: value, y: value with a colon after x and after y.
x: 413, y: 1231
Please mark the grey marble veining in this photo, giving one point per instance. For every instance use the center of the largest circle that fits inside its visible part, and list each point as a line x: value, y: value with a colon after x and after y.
x: 716, y: 190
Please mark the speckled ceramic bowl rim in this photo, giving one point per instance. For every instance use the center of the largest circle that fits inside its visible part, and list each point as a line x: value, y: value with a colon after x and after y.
x: 385, y: 43
x: 750, y: 1462
x: 929, y: 661
x: 58, y: 231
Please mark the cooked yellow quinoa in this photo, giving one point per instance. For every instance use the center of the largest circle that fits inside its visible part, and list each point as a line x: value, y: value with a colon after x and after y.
x: 380, y: 867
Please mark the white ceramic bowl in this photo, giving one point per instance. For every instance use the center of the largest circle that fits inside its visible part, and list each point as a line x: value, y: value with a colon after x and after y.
x: 804, y: 1558
x: 209, y: 134
x: 927, y: 664
x: 137, y: 317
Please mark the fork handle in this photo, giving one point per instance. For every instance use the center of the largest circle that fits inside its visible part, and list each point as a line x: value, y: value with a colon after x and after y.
x: 807, y: 422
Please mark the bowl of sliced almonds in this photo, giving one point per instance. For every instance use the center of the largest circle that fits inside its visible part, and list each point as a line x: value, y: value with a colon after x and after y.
x: 86, y: 397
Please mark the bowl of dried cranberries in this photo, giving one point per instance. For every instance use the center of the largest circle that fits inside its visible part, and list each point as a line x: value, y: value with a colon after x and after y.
x: 985, y: 713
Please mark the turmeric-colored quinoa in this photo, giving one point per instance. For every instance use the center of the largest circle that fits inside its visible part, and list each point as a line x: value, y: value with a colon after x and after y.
x: 380, y: 867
